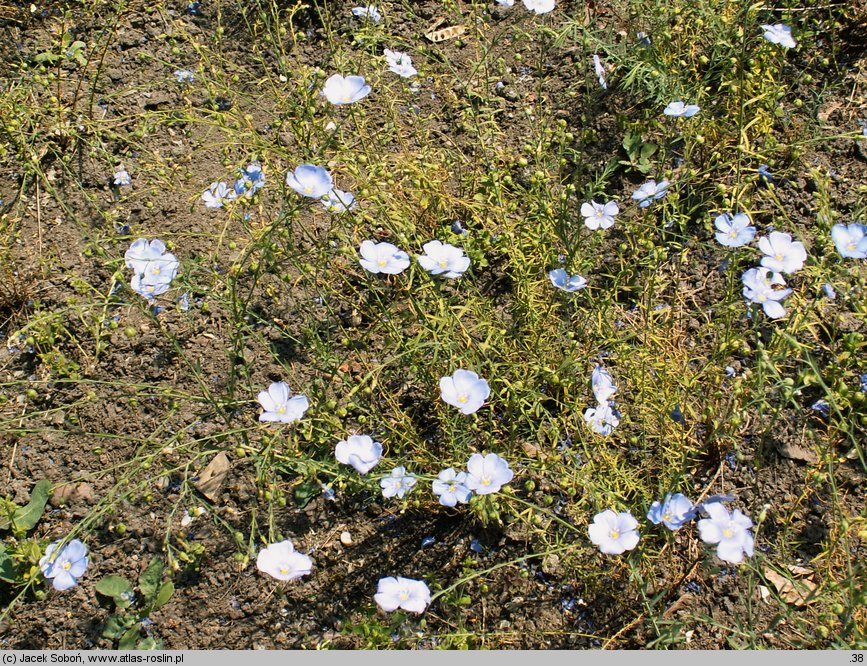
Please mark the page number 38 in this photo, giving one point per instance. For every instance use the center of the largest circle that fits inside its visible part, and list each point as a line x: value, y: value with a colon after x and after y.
x: 857, y: 658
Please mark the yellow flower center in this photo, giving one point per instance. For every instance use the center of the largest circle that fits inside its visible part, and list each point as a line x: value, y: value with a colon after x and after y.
x: 733, y: 234
x: 284, y: 570
x: 404, y: 596
x: 851, y: 247
x: 444, y: 264
x: 666, y: 516
x: 346, y: 99
x: 281, y: 410
x: 727, y: 533
x: 308, y: 190
x: 778, y: 257
x: 486, y: 482
x: 463, y: 397
x: 452, y: 487
x: 614, y: 534
x: 381, y: 263
x: 67, y: 565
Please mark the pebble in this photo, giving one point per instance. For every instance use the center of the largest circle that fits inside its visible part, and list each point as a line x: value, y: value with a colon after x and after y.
x: 346, y: 538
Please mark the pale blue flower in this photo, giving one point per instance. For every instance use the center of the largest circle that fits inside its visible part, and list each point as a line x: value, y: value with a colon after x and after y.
x: 369, y: 12
x: 66, y: 566
x: 281, y: 561
x: 398, y: 483
x: 280, y: 405
x: 250, y: 181
x: 160, y: 270
x: 155, y: 279
x: 400, y: 63
x: 779, y: 33
x: 614, y: 533
x: 142, y: 251
x: 360, y: 451
x: 217, y: 194
x: 506, y: 3
x: 338, y: 201
x: 851, y: 240
x: 153, y: 267
x: 673, y: 512
x: 680, y: 109
x: 406, y: 593
x: 345, y: 90
x: 121, y: 177
x: 600, y: 72
x: 782, y: 254
x: 450, y: 486
x: 464, y: 390
x: 540, y: 6
x: 148, y: 288
x: 383, y: 258
x: 734, y: 231
x: 602, y: 384
x: 650, y: 192
x: 823, y: 407
x: 310, y: 181
x: 602, y: 419
x: 759, y: 289
x: 731, y: 532
x: 487, y: 474
x: 443, y: 259
x: 184, y: 76
x: 599, y: 216
x: 562, y: 280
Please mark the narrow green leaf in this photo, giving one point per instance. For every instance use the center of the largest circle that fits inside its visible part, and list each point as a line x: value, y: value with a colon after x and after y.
x: 8, y: 571
x: 306, y: 492
x: 27, y: 516
x: 129, y: 639
x: 167, y: 589
x: 47, y: 56
x: 114, y: 628
x: 150, y: 579
x: 148, y: 643
x: 115, y: 587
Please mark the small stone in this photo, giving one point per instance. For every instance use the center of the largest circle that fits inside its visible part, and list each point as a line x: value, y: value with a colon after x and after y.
x: 346, y: 538
x: 76, y: 492
x: 551, y: 565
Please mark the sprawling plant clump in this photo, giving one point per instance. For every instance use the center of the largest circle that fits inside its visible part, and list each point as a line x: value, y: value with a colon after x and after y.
x: 433, y: 324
